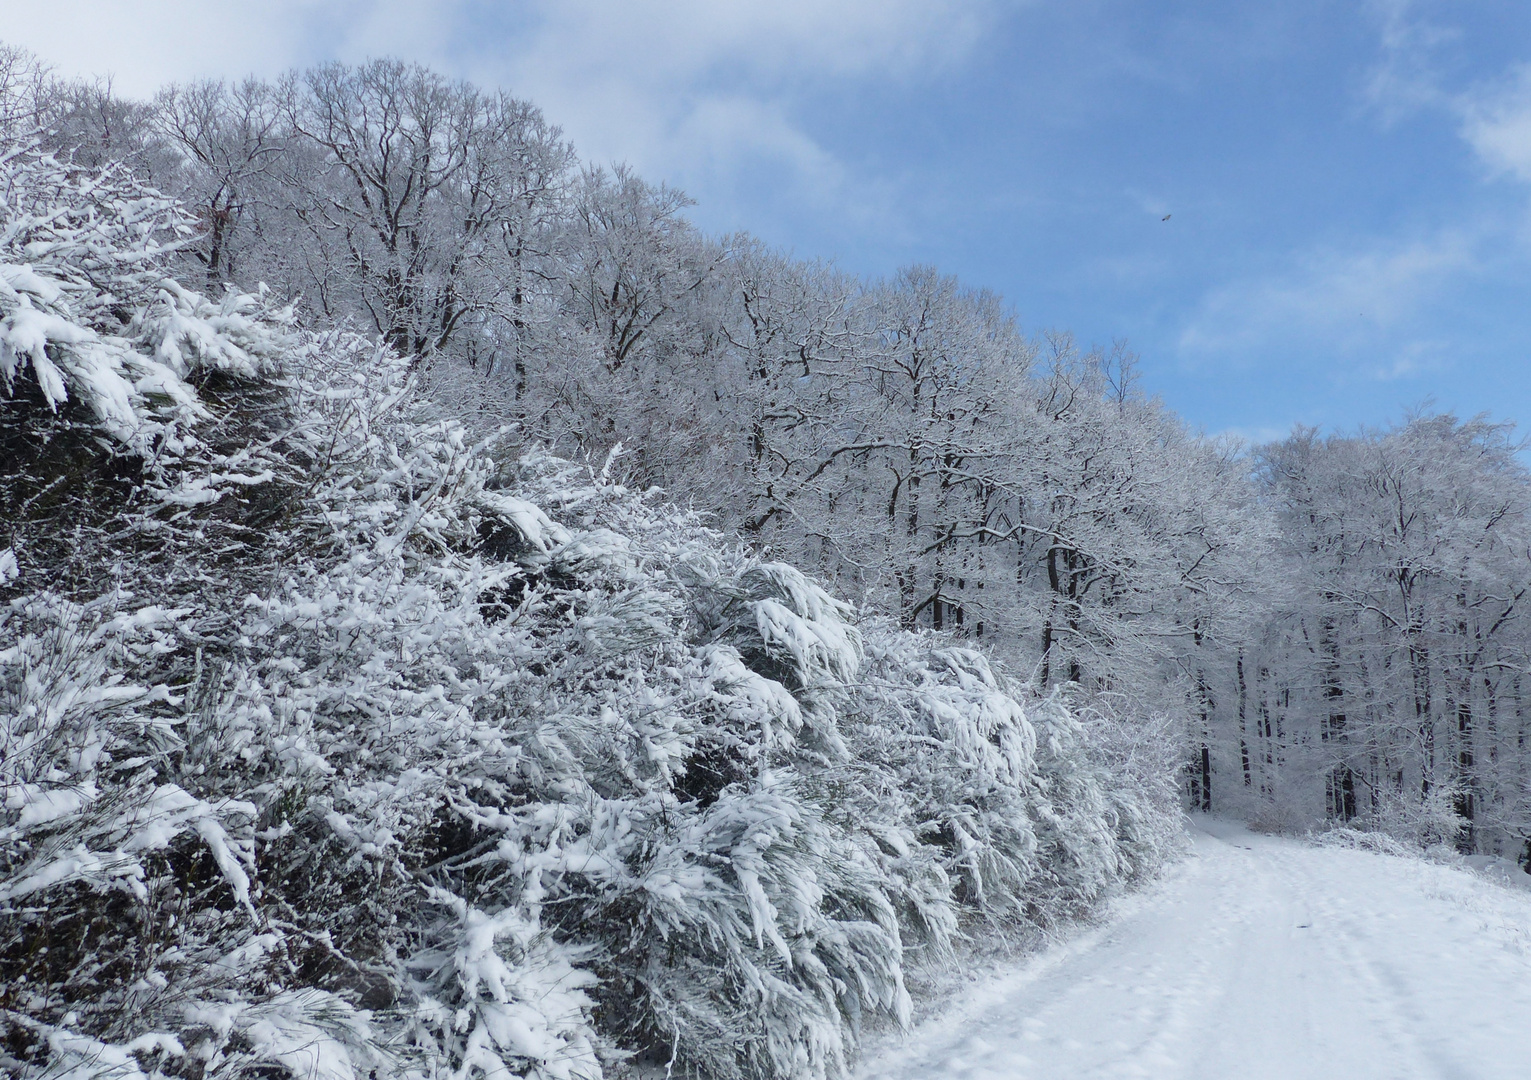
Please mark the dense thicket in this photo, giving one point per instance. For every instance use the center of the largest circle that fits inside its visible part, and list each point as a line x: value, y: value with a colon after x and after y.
x: 337, y: 744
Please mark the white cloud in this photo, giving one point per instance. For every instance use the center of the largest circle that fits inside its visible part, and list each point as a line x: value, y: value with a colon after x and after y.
x: 701, y: 92
x: 142, y: 46
x: 1496, y: 122
x: 1356, y: 304
x: 1404, y: 80
x: 1494, y: 115
x: 1410, y: 358
x: 1257, y: 435
x: 1365, y: 311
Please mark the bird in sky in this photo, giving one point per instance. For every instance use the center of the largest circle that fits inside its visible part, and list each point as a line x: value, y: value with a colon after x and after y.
x: 1166, y: 217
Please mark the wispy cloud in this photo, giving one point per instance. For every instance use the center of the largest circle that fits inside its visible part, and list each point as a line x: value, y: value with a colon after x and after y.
x: 142, y: 46
x: 702, y: 92
x: 1496, y: 122
x: 1258, y: 435
x: 1353, y: 305
x: 1404, y: 78
x: 1366, y: 309
x: 1493, y: 114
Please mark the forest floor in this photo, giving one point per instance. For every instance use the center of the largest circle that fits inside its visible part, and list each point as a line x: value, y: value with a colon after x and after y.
x: 1256, y: 957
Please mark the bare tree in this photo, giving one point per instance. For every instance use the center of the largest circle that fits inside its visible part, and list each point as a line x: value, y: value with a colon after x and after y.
x: 409, y: 187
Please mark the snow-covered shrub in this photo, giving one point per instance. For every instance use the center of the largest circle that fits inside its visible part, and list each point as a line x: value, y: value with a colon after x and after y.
x: 87, y: 314
x: 1344, y: 837
x: 355, y: 749
x: 1134, y: 759
x: 1025, y: 816
x: 110, y: 372
x: 1402, y: 823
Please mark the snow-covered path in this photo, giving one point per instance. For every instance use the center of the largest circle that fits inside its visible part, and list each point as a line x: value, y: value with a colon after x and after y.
x: 1260, y: 957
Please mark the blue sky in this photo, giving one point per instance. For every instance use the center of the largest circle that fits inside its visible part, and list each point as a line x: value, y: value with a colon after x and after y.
x: 1348, y: 184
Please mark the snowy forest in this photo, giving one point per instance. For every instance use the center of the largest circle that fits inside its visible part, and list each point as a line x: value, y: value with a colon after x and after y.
x: 459, y: 619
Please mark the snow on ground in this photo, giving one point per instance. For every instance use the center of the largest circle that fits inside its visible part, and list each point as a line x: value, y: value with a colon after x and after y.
x: 1259, y: 957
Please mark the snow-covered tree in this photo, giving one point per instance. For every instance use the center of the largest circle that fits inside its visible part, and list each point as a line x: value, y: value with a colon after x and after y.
x: 1387, y: 676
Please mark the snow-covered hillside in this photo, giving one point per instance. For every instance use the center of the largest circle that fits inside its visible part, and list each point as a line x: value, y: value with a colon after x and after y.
x: 337, y: 747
